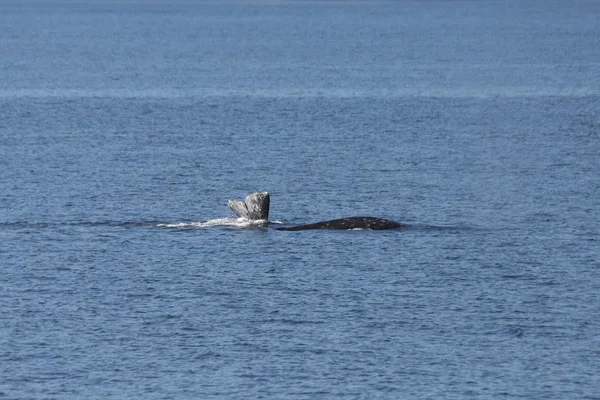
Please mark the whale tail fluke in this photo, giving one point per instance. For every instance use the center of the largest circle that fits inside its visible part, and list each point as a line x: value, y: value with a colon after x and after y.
x: 254, y: 207
x: 239, y: 208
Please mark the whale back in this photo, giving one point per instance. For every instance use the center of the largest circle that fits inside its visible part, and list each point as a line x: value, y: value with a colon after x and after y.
x: 254, y: 207
x: 366, y: 223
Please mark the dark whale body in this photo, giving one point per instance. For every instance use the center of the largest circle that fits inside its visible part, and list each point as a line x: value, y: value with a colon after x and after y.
x: 256, y: 207
x: 369, y: 223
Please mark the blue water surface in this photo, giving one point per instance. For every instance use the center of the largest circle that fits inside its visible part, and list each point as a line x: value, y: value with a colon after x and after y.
x: 125, y: 124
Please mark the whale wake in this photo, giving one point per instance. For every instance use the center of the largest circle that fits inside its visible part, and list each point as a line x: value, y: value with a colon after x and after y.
x: 230, y: 222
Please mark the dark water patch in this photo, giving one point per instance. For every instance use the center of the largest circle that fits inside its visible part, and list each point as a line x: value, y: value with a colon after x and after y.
x: 517, y: 331
x: 287, y: 321
x: 520, y: 277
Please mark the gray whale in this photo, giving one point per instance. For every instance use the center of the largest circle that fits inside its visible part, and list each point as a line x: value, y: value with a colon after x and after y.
x: 256, y: 207
x: 369, y: 223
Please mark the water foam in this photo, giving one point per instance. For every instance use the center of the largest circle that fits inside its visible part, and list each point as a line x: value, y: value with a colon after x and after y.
x: 232, y: 222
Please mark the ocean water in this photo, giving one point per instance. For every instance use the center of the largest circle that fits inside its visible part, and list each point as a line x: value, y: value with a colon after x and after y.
x: 125, y: 126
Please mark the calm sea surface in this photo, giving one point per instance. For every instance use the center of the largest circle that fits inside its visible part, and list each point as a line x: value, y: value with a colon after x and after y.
x: 123, y: 124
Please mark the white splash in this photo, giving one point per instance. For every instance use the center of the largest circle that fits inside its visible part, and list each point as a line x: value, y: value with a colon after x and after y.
x: 232, y: 222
